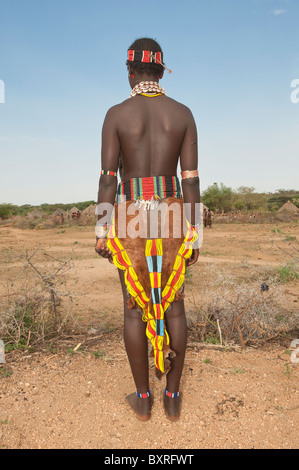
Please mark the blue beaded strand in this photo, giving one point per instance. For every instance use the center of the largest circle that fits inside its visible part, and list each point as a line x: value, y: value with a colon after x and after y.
x: 144, y: 395
x: 172, y: 395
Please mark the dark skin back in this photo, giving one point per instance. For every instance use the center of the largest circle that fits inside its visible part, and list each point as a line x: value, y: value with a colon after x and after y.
x: 149, y: 136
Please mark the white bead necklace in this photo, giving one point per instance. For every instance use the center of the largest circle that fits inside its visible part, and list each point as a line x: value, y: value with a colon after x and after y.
x: 147, y: 87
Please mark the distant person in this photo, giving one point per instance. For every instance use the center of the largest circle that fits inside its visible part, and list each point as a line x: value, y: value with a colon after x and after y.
x: 205, y: 217
x: 209, y: 218
x: 151, y: 132
x: 76, y: 215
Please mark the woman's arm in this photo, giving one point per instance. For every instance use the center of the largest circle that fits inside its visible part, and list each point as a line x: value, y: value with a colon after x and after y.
x: 108, y: 183
x: 190, y: 186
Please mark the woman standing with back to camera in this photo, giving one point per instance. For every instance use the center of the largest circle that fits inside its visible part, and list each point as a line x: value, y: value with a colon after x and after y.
x: 145, y: 137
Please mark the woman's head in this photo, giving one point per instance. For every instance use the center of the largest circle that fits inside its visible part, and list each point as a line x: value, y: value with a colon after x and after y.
x: 145, y: 64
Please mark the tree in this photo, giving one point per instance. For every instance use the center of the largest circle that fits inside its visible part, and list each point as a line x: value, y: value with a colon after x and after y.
x: 218, y: 198
x: 6, y: 210
x: 246, y: 198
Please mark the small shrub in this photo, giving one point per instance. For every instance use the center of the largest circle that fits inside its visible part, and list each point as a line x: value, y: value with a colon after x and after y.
x: 39, y: 309
x: 239, y: 312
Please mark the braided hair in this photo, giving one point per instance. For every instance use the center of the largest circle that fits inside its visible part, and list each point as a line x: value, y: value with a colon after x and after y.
x: 151, y: 68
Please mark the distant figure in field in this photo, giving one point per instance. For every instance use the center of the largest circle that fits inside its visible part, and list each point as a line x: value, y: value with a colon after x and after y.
x: 205, y: 217
x: 209, y: 219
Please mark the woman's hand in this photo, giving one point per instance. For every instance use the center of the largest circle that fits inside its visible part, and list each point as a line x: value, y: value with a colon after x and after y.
x: 194, y: 257
x: 102, y: 250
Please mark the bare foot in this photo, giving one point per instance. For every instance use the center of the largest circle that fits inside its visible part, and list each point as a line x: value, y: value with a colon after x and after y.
x: 141, y: 406
x: 172, y: 407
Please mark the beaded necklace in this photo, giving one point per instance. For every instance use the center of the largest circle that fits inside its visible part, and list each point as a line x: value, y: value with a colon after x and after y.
x: 144, y: 88
x: 151, y: 95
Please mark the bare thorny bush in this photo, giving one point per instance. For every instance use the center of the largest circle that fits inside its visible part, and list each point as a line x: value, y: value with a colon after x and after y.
x: 236, y: 310
x: 240, y: 312
x: 36, y: 303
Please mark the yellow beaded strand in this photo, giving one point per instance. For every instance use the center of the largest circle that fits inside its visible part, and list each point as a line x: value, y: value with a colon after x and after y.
x: 151, y: 96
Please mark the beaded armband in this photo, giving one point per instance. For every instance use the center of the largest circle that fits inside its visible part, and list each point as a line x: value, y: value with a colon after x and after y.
x: 189, y: 174
x: 108, y: 173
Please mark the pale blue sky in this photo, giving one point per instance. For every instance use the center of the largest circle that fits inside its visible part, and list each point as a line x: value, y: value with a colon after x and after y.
x: 63, y: 66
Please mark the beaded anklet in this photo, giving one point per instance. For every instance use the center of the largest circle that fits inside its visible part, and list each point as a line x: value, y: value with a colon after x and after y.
x: 144, y: 395
x: 172, y: 395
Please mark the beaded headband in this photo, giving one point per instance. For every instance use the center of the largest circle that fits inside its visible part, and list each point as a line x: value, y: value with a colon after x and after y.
x: 146, y: 57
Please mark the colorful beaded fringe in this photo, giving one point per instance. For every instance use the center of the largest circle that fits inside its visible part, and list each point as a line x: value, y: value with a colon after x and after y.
x: 146, y: 188
x: 154, y: 316
x: 155, y: 320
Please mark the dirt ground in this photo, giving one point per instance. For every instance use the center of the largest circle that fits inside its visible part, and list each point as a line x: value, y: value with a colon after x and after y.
x: 232, y: 399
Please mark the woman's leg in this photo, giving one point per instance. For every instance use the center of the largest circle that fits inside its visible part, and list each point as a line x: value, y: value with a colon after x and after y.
x: 136, y: 344
x: 177, y: 329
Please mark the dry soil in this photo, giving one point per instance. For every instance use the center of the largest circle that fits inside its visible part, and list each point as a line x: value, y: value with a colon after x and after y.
x: 58, y: 398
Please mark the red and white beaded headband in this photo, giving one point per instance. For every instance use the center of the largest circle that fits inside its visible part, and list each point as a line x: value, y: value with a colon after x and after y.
x: 146, y: 57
